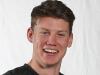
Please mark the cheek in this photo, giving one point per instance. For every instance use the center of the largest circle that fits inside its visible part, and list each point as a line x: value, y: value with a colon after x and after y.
x: 37, y: 47
x: 63, y: 43
x: 63, y: 48
x: 39, y: 41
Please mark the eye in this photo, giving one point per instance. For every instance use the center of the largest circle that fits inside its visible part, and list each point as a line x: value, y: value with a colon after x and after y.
x: 61, y: 34
x: 44, y: 32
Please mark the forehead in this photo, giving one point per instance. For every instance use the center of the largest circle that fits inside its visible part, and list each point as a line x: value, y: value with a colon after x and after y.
x: 51, y: 23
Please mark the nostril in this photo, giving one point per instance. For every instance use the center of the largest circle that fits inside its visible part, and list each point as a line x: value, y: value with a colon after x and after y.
x: 49, y: 44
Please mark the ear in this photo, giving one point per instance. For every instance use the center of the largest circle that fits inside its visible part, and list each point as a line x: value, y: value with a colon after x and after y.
x: 30, y: 34
x: 70, y: 40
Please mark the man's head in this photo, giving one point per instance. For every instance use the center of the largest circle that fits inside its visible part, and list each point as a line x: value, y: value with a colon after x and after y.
x: 50, y: 32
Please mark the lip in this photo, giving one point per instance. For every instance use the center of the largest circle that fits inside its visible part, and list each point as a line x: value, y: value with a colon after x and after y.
x: 50, y: 51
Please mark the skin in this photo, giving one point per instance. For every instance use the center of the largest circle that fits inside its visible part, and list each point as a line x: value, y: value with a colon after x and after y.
x: 49, y: 33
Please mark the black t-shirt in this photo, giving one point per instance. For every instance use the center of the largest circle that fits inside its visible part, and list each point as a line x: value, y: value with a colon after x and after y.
x: 23, y: 70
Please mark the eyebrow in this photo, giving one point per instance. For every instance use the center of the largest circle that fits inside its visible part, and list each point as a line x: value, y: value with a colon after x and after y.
x: 44, y: 29
x: 58, y: 30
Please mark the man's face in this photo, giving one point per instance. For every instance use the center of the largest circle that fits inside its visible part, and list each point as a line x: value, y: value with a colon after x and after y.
x: 50, y: 38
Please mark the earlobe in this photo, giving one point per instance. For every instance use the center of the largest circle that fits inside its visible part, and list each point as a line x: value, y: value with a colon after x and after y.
x: 70, y: 40
x: 30, y: 34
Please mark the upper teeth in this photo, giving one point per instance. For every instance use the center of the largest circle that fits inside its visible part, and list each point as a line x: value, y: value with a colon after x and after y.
x: 51, y: 50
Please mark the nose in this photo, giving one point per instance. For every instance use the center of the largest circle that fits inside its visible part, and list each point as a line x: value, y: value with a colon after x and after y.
x: 51, y: 40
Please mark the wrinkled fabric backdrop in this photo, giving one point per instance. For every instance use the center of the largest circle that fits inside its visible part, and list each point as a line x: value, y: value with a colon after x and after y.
x: 83, y: 58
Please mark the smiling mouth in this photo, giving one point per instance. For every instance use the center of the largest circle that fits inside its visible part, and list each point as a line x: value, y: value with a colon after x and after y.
x: 49, y: 50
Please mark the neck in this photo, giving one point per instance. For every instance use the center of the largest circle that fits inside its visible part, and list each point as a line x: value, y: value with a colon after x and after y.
x: 45, y: 70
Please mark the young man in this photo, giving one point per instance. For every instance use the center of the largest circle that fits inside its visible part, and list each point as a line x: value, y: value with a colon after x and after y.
x: 51, y: 35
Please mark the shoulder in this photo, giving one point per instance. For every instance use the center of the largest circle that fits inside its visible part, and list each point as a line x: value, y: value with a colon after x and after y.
x: 17, y: 71
x: 61, y: 73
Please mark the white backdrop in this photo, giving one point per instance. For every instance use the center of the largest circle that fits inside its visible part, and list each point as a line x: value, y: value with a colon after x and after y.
x: 82, y: 58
